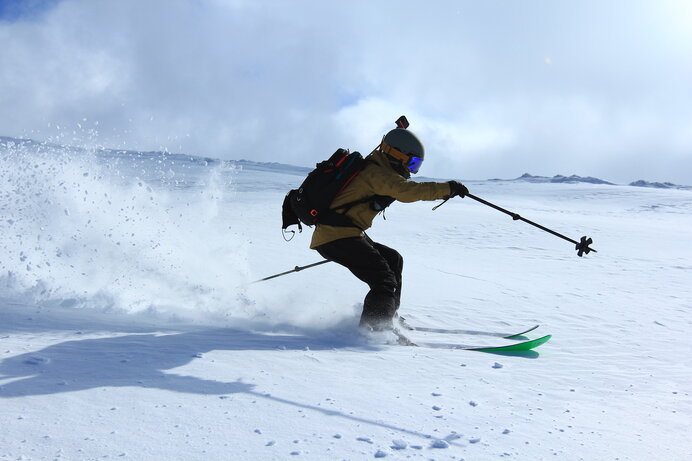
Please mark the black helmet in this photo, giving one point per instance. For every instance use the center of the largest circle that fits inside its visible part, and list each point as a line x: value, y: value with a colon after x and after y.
x: 404, y: 146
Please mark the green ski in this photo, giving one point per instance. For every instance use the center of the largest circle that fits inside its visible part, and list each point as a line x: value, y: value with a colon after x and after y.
x: 522, y: 346
x: 516, y: 347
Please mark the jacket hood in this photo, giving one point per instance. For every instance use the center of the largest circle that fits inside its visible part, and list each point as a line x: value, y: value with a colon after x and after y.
x: 385, y: 161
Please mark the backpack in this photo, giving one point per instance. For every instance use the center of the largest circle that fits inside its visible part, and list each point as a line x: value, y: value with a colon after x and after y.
x: 309, y: 204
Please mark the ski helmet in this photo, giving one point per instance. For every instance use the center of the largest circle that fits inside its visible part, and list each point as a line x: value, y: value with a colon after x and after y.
x: 404, y: 146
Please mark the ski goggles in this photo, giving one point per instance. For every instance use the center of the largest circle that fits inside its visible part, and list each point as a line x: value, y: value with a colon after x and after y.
x: 414, y: 164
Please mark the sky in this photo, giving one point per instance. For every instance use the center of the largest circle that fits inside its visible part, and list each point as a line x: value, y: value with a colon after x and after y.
x: 494, y: 89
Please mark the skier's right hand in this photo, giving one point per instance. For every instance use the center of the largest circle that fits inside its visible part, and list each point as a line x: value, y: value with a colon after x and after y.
x: 457, y: 189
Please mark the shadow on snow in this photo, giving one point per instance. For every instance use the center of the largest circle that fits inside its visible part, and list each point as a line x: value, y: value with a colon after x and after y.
x: 141, y: 360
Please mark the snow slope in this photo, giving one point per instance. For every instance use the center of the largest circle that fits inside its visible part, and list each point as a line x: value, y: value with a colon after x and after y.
x: 129, y: 328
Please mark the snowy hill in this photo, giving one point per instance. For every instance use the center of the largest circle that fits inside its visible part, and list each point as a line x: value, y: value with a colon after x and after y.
x: 130, y: 329
x: 276, y: 167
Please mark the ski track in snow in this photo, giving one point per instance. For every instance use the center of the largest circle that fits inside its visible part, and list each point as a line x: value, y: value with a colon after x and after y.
x: 129, y: 329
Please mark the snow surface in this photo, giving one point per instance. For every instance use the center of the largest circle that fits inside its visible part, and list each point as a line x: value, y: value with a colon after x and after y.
x: 129, y: 328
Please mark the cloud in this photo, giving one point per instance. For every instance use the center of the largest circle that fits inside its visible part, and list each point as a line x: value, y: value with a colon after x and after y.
x: 493, y: 88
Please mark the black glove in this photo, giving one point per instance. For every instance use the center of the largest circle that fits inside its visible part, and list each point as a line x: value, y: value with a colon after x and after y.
x: 457, y: 188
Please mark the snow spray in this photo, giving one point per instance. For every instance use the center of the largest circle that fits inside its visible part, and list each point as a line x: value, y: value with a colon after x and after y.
x: 121, y: 230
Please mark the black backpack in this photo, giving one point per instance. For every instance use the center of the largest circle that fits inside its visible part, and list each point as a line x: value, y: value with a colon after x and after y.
x: 309, y: 204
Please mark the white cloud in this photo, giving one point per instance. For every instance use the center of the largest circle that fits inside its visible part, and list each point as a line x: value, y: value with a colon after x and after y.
x: 494, y: 89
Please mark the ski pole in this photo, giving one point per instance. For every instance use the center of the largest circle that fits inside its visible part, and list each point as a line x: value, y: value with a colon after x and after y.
x: 582, y: 246
x: 295, y: 269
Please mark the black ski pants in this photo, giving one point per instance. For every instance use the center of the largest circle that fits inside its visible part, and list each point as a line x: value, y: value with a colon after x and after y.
x: 375, y: 264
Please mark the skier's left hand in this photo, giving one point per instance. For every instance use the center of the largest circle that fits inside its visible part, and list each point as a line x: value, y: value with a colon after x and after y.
x: 457, y: 188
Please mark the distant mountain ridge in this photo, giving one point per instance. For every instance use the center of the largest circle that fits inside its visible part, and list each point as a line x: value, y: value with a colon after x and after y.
x: 300, y: 170
x: 574, y: 179
x: 659, y: 185
x: 562, y: 179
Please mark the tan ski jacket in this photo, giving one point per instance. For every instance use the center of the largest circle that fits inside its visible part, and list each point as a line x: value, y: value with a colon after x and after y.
x: 377, y: 178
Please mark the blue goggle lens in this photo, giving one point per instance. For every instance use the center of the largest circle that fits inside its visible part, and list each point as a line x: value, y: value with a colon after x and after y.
x: 414, y: 164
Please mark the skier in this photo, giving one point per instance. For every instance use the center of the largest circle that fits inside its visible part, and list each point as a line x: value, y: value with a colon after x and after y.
x: 384, y: 179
